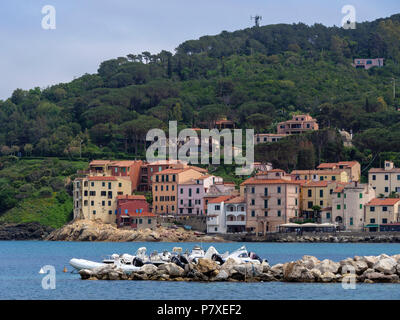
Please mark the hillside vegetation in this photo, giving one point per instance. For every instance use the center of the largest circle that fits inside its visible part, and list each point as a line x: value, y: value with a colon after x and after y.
x: 256, y: 77
x: 37, y: 190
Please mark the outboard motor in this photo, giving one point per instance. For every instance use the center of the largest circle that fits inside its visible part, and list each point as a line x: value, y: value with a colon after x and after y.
x: 255, y: 256
x: 137, y: 262
x: 217, y: 258
x: 176, y: 260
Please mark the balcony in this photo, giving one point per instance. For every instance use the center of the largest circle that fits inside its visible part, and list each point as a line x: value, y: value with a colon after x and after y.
x: 236, y: 223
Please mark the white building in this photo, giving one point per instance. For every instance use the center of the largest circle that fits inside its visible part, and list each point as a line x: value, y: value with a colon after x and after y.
x: 348, y: 205
x: 226, y: 214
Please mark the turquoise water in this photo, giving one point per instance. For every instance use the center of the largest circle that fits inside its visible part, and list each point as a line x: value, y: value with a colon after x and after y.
x: 20, y: 263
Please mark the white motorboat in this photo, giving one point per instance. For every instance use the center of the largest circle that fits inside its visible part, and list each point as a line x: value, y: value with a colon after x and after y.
x: 196, y: 253
x: 241, y: 255
x: 124, y: 263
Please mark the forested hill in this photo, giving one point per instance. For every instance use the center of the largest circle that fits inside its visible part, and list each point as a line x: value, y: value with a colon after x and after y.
x: 256, y: 77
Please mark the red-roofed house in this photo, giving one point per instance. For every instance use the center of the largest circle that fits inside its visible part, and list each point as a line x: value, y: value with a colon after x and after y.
x: 381, y: 211
x: 271, y: 199
x: 133, y: 212
x: 353, y: 168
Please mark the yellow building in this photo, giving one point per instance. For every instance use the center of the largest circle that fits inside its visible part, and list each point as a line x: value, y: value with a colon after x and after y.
x: 95, y: 197
x: 353, y: 168
x: 318, y: 193
x: 165, y: 188
x: 386, y: 180
x: 381, y: 212
x: 321, y: 175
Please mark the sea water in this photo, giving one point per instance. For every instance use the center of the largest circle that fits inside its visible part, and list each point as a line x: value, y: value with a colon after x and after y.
x: 20, y: 262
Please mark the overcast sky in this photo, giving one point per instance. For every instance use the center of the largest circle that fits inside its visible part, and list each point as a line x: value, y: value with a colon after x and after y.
x: 91, y: 31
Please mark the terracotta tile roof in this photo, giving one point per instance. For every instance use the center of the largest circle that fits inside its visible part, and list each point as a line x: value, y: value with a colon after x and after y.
x: 268, y: 181
x: 123, y: 163
x: 327, y: 165
x: 348, y: 163
x: 171, y: 171
x: 220, y: 199
x: 383, y: 202
x: 99, y: 162
x: 198, y: 169
x: 236, y: 200
x: 316, y: 184
x: 107, y: 178
x: 131, y: 197
x: 143, y: 214
x: 318, y: 172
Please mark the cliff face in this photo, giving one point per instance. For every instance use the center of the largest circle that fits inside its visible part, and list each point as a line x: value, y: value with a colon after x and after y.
x: 24, y: 231
x: 85, y: 230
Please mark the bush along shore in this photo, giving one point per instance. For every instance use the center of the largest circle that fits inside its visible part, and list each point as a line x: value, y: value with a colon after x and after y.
x: 365, y: 269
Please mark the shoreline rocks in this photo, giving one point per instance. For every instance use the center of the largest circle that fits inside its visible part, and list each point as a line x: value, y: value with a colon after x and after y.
x: 368, y: 269
x: 24, y: 231
x: 87, y: 230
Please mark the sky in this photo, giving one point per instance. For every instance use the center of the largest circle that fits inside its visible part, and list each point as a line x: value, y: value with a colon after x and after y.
x: 88, y: 32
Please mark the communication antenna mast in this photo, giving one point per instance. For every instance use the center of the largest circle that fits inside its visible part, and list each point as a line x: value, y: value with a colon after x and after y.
x: 256, y: 19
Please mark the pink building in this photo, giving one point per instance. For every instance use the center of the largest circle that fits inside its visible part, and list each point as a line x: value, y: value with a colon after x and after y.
x: 299, y: 124
x: 271, y: 199
x: 368, y: 63
x: 191, y: 194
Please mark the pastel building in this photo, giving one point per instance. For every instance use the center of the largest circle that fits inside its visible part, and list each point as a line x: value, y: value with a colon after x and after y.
x: 299, y: 124
x: 268, y: 137
x: 272, y: 198
x: 165, y: 188
x: 95, y: 197
x: 368, y: 63
x: 191, y: 194
x: 385, y: 180
x: 226, y: 214
x: 133, y: 212
x: 318, y: 194
x: 352, y: 168
x: 321, y: 175
x: 216, y: 190
x: 382, y: 214
x: 348, y: 205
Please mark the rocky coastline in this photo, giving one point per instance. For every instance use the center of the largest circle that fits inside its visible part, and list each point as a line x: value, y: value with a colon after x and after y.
x: 85, y: 230
x: 24, y: 231
x: 361, y: 269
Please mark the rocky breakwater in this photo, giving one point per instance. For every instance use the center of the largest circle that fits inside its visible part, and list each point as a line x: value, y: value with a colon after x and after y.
x: 366, y: 269
x: 85, y: 230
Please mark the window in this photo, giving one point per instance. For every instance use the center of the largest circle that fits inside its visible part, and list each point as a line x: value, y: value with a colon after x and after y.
x: 372, y: 220
x: 386, y: 177
x: 373, y: 177
x: 338, y: 195
x: 333, y: 178
x: 92, y: 203
x: 344, y: 207
x: 104, y: 193
x: 217, y: 207
x: 386, y: 189
x: 149, y: 221
x: 279, y: 202
x: 372, y: 209
x: 360, y: 195
x: 92, y: 184
x: 265, y: 213
x: 310, y: 204
x: 384, y: 220
x: 338, y: 207
x: 309, y: 192
x: 344, y: 195
x: 197, y: 190
x: 321, y: 193
x: 398, y: 177
x: 103, y: 184
x: 351, y: 221
x: 328, y: 215
x: 384, y: 208
x: 253, y: 213
x: 279, y: 190
x: 265, y: 191
x: 92, y: 193
x: 252, y: 202
x: 279, y: 213
x: 103, y: 203
x: 321, y: 203
x: 140, y: 221
x: 253, y: 190
x: 120, y: 184
x: 265, y: 204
